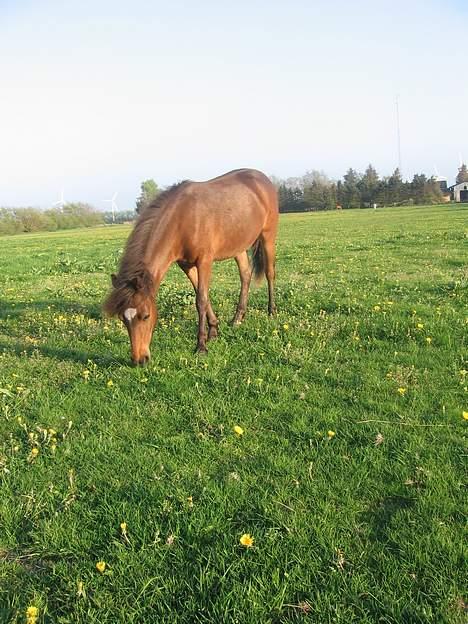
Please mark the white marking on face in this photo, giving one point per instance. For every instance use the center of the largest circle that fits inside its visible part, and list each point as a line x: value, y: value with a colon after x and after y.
x: 130, y: 313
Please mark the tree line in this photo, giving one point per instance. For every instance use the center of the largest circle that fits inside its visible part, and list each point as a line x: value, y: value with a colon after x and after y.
x: 316, y: 191
x: 72, y: 215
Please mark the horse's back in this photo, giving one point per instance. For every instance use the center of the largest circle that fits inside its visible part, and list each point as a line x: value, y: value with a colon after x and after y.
x: 240, y: 188
x: 243, y: 175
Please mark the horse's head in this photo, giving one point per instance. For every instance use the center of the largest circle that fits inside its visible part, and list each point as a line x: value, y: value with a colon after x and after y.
x: 132, y: 300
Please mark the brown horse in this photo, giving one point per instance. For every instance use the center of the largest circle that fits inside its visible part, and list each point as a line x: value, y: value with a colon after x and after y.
x: 194, y: 224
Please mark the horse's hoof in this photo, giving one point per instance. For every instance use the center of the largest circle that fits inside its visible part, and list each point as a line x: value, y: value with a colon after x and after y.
x: 201, y: 350
x: 212, y: 333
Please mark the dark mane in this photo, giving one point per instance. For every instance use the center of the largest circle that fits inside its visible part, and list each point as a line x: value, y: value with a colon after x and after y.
x: 163, y: 197
x: 133, y: 274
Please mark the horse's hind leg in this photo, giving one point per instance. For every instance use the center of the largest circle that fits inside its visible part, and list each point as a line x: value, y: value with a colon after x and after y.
x: 204, y: 275
x: 245, y: 273
x: 269, y: 251
x: 192, y: 273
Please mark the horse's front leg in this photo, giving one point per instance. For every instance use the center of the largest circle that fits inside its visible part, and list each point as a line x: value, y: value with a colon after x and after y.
x: 204, y: 275
x: 192, y: 273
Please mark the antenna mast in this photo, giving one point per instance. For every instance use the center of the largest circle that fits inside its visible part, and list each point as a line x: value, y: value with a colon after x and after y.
x: 398, y: 131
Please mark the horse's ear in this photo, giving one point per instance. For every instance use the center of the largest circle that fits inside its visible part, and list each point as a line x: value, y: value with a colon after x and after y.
x: 114, y: 280
x: 142, y: 282
x: 134, y: 283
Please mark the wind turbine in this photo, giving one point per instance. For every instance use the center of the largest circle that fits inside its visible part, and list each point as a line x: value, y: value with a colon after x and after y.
x: 113, y: 205
x: 60, y: 203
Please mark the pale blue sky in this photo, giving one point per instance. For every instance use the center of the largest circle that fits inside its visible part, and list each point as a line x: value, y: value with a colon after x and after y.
x: 97, y: 95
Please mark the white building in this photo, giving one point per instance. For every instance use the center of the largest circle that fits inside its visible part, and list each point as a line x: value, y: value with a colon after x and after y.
x: 459, y: 192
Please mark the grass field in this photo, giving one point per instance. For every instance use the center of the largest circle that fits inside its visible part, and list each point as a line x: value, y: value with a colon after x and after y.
x: 349, y: 472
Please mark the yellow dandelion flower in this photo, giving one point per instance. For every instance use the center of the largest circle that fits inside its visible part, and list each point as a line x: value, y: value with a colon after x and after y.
x: 238, y: 430
x: 101, y: 566
x: 123, y: 527
x: 402, y: 391
x: 32, y: 613
x: 420, y: 326
x: 331, y: 434
x: 246, y: 540
x: 34, y: 452
x: 465, y: 415
x: 110, y: 383
x: 286, y: 326
x: 376, y: 308
x: 428, y: 339
x: 190, y: 501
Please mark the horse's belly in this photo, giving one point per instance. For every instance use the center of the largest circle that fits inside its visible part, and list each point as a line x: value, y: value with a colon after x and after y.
x: 234, y: 250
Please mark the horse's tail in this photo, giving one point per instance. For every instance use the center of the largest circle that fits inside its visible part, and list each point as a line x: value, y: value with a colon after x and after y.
x: 258, y: 260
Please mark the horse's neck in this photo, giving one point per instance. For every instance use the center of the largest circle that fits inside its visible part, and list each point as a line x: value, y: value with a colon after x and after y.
x: 158, y: 256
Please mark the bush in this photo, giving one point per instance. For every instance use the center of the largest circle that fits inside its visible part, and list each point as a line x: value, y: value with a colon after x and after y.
x: 19, y: 220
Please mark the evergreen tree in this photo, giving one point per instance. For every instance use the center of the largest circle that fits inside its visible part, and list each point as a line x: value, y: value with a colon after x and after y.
x: 351, y: 194
x: 368, y: 186
x: 418, y: 188
x: 462, y: 174
x: 395, y: 188
x: 290, y: 199
x: 319, y: 191
x: 339, y: 193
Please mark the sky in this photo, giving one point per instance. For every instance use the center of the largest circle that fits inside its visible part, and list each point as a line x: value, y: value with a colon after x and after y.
x: 96, y: 96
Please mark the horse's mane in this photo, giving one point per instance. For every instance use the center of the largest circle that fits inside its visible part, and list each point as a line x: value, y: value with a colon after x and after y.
x: 133, y: 274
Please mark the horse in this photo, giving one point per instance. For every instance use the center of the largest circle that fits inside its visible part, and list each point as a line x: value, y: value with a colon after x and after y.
x: 195, y: 224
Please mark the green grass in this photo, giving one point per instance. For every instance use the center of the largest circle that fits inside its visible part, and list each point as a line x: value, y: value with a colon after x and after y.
x: 365, y: 526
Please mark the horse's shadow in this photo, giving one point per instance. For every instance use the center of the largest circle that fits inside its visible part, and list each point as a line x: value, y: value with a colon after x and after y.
x: 380, y: 515
x: 12, y: 341
x: 59, y: 353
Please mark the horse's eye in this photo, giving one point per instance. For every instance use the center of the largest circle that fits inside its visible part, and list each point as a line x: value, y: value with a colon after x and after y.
x: 146, y: 317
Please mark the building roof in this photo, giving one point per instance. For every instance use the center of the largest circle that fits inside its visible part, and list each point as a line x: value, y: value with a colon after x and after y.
x: 454, y: 186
